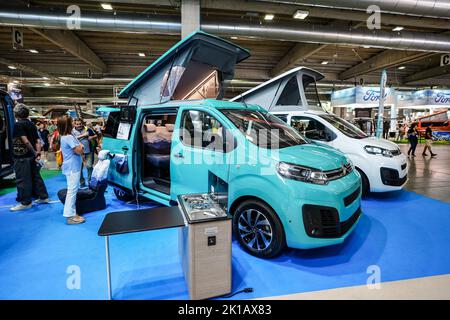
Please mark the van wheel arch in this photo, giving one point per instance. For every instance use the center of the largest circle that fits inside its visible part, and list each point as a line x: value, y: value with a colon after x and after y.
x: 365, y: 183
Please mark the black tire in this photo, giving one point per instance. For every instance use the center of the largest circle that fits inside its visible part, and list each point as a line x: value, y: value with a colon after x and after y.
x: 264, y: 246
x: 364, y: 183
x: 123, y: 195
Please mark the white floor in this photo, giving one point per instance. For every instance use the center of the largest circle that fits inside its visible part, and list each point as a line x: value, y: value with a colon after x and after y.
x: 429, y: 288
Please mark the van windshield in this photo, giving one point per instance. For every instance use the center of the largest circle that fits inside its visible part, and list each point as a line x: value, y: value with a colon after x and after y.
x: 344, y: 126
x: 264, y: 129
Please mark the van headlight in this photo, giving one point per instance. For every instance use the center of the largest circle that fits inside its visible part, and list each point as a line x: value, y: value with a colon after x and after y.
x: 299, y: 173
x: 378, y: 151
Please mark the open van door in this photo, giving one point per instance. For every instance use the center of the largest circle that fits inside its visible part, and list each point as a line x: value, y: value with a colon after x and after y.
x: 118, y: 139
x: 6, y: 133
x: 202, y: 148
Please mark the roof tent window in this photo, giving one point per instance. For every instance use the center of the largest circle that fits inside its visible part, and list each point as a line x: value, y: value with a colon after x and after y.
x: 169, y: 85
x: 310, y: 89
x: 195, y: 81
x: 200, y: 81
x: 291, y: 94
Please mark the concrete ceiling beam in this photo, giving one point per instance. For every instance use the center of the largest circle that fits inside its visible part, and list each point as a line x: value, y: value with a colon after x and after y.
x: 69, y: 41
x: 385, y: 59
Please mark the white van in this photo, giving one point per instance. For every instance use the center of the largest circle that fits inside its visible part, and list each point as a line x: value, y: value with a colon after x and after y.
x: 293, y: 97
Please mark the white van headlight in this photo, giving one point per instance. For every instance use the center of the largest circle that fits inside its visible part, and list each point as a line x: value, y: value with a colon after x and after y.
x: 378, y: 151
x: 299, y: 173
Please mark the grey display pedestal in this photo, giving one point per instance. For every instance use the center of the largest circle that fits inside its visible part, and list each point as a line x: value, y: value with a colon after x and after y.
x: 205, y: 250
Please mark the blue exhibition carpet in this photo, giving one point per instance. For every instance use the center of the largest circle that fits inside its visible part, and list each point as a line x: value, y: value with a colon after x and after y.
x: 405, y: 234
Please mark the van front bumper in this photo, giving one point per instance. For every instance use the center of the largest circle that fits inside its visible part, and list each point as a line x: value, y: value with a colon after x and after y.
x: 390, y: 174
x: 322, y: 215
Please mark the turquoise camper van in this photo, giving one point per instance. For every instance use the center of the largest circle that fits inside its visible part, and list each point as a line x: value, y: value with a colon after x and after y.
x: 175, y: 136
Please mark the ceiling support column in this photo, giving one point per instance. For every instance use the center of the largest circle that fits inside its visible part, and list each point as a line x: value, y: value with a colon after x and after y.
x: 190, y: 16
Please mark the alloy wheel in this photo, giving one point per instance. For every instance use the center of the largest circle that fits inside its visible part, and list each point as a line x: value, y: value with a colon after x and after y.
x: 255, y: 230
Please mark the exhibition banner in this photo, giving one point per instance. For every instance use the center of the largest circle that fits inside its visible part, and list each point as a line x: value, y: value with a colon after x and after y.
x: 361, y: 96
x: 425, y: 98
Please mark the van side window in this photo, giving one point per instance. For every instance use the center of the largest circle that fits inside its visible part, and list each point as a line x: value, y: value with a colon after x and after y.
x: 290, y: 96
x: 112, y: 124
x: 312, y: 128
x: 201, y: 130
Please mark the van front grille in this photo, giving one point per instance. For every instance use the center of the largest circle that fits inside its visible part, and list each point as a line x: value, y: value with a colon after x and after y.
x: 339, y: 173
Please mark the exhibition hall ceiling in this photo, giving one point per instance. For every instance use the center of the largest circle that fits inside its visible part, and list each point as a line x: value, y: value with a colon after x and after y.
x: 66, y: 66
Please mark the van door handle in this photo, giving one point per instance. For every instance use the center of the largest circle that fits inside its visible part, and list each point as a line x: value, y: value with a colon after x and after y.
x: 125, y: 148
x: 178, y: 155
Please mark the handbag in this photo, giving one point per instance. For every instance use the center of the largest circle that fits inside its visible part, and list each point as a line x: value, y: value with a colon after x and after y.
x: 121, y: 163
x: 59, y: 158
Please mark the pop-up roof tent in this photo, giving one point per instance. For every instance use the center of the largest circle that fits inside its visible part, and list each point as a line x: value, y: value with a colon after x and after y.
x: 194, y: 68
x: 290, y: 91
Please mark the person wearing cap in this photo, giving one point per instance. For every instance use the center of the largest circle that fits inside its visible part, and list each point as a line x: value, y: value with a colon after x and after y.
x: 27, y: 161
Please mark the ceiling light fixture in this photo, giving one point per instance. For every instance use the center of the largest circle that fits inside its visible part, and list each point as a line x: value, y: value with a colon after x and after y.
x: 398, y: 29
x: 106, y: 6
x: 401, y: 68
x: 269, y: 17
x: 141, y: 54
x: 12, y: 67
x: 33, y: 51
x: 47, y: 84
x: 324, y: 62
x: 234, y: 38
x: 45, y: 78
x: 300, y: 14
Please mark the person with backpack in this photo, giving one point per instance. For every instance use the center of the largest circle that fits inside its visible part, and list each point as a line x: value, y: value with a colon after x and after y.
x: 27, y: 161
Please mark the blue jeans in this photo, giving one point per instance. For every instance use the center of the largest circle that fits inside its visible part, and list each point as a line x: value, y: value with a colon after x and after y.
x: 88, y: 161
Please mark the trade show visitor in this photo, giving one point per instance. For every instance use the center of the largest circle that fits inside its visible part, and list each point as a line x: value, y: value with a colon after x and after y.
x: 44, y: 135
x: 86, y: 136
x: 413, y: 140
x: 428, y: 142
x: 71, y: 150
x: 27, y: 161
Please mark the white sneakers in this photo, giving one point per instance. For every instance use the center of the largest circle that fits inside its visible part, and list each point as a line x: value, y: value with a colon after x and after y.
x: 21, y: 207
x: 42, y: 201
